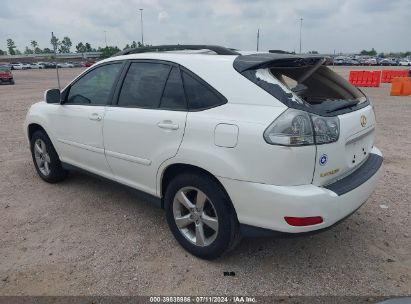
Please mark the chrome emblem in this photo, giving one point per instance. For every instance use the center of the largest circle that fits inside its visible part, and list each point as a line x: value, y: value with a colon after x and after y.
x: 363, y: 121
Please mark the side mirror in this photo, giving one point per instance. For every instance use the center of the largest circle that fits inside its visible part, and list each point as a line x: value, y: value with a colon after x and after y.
x: 52, y: 96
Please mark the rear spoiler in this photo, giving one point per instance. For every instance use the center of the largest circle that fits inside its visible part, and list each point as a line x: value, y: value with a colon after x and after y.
x: 257, y: 61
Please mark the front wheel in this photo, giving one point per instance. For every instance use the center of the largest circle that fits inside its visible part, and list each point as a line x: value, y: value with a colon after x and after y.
x: 200, y: 215
x: 45, y: 158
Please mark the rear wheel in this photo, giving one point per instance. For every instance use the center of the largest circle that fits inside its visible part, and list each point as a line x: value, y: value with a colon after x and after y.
x: 200, y: 215
x: 45, y: 158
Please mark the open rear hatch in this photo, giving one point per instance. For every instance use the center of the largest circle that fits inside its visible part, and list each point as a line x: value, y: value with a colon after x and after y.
x: 306, y: 83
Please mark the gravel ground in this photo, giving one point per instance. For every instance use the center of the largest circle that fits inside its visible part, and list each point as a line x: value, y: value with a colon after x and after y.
x: 86, y: 236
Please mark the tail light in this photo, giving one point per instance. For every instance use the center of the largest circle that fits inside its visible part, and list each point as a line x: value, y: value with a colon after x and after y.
x: 299, y: 128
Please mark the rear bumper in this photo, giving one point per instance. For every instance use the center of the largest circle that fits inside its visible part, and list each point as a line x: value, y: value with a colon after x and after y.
x: 265, y: 206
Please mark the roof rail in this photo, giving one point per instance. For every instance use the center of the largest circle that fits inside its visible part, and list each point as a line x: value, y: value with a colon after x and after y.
x: 279, y: 52
x: 219, y: 50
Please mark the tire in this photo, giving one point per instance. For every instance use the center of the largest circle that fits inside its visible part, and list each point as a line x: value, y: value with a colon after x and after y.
x: 12, y: 82
x: 45, y: 158
x: 217, y: 208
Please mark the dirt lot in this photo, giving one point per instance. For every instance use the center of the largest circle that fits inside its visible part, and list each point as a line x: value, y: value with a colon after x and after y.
x: 86, y: 236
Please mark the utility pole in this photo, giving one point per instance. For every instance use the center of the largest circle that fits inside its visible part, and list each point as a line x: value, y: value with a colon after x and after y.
x: 301, y: 26
x: 258, y: 38
x: 141, y: 24
x: 55, y: 58
x: 105, y: 37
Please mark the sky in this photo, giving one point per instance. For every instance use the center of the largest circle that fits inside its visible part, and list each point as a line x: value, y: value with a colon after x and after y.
x: 328, y: 25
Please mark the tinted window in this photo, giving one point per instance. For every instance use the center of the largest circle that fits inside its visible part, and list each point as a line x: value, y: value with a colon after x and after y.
x: 173, y: 95
x: 199, y: 96
x: 143, y: 85
x: 94, y: 88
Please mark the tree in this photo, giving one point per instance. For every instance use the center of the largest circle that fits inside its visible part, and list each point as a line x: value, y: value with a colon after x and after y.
x: 55, y: 42
x: 369, y: 53
x: 34, y: 44
x: 109, y: 51
x: 88, y: 47
x: 65, y: 45
x: 47, y: 51
x: 126, y: 47
x: 312, y: 52
x: 134, y: 45
x: 2, y: 53
x: 80, y: 47
x: 28, y: 51
x: 17, y: 52
x: 11, y: 46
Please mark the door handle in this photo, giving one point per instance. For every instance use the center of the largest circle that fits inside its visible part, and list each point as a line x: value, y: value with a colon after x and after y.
x: 168, y: 125
x: 95, y: 116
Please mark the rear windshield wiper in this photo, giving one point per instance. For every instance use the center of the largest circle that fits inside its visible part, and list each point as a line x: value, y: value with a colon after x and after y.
x: 347, y: 104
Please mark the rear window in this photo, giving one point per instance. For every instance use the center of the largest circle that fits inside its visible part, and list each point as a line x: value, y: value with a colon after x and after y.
x: 4, y: 71
x: 143, y: 85
x: 302, y: 83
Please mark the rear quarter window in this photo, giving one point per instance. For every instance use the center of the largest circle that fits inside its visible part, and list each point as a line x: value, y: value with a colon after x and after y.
x: 200, y: 95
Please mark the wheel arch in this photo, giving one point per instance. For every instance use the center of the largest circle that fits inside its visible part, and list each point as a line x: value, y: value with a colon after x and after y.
x: 33, y: 127
x: 175, y: 169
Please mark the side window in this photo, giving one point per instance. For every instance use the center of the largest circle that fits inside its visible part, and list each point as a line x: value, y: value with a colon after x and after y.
x: 143, y: 85
x: 94, y: 88
x: 199, y: 96
x: 173, y: 95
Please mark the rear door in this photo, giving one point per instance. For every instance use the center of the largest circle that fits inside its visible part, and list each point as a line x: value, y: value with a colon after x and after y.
x: 146, y: 124
x: 337, y: 160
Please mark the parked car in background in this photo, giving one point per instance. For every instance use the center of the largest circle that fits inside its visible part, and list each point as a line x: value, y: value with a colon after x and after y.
x: 65, y: 65
x: 27, y: 65
x: 76, y: 64
x: 404, y: 62
x: 338, y: 61
x: 5, y: 75
x: 387, y: 62
x: 351, y: 62
x: 37, y: 65
x: 6, y: 65
x: 87, y: 64
x: 223, y: 143
x: 49, y: 65
x: 370, y: 61
x: 19, y: 66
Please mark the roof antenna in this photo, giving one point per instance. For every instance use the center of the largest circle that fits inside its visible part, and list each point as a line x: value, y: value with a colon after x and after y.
x: 54, y: 41
x: 258, y: 38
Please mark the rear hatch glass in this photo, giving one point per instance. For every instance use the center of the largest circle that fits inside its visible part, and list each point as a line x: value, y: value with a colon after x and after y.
x: 301, y: 82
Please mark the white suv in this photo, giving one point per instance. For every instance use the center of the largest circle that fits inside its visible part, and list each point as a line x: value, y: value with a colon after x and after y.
x: 227, y: 144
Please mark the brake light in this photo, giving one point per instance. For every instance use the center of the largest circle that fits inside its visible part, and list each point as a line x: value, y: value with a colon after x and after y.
x: 298, y: 128
x: 303, y: 221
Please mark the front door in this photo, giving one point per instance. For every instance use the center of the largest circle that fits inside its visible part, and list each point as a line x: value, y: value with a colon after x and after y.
x: 79, y: 120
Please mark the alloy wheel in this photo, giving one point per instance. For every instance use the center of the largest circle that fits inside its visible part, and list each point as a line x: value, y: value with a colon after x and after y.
x: 42, y: 157
x: 195, y: 216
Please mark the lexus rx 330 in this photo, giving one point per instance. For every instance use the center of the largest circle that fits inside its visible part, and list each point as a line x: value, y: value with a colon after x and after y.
x: 225, y: 143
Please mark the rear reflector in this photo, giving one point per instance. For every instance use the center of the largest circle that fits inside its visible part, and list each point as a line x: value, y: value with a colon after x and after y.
x: 303, y: 221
